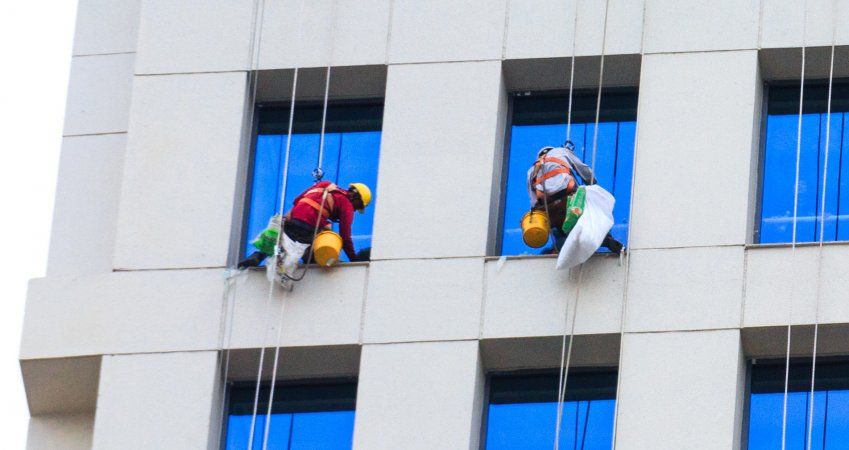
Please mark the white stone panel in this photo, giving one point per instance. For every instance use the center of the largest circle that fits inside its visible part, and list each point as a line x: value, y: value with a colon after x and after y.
x: 123, y: 312
x: 99, y: 94
x: 417, y: 300
x: 194, y: 36
x: 161, y: 401
x: 693, y: 25
x: 85, y: 213
x: 324, y: 309
x: 106, y: 26
x: 528, y: 297
x: 60, y: 431
x: 685, y: 289
x: 694, y: 149
x: 782, y: 287
x: 446, y: 30
x: 407, y: 388
x: 180, y: 171
x: 672, y: 381
x: 298, y: 33
x: 441, y: 139
x: 543, y: 28
x: 782, y: 23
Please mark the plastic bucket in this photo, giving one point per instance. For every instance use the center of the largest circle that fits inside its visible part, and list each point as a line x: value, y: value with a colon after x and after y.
x: 535, y: 228
x: 326, y: 247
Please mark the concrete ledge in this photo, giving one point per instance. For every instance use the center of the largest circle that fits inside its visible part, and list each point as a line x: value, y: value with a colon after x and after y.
x: 181, y: 310
x: 528, y: 297
x: 61, y: 385
x: 296, y: 363
x: 544, y: 352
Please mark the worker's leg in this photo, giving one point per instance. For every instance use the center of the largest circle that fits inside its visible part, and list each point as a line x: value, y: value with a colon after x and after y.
x: 559, y: 239
x: 254, y: 260
x: 612, y: 244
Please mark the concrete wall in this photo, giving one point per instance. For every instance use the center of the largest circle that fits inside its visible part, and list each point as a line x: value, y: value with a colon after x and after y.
x: 150, y: 196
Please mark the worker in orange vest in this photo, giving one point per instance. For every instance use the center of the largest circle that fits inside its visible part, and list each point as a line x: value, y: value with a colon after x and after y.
x: 551, y: 180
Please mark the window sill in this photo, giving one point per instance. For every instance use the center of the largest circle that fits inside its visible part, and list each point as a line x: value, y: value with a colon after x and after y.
x: 798, y: 244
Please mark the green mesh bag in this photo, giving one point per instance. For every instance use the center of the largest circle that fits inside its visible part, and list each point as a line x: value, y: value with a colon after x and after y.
x: 574, y: 208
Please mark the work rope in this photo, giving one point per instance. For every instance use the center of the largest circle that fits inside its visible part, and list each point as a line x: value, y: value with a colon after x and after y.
x: 795, y: 220
x: 572, y: 73
x: 564, y: 364
x: 225, y: 334
x: 822, y: 225
x: 317, y: 174
x: 627, y: 263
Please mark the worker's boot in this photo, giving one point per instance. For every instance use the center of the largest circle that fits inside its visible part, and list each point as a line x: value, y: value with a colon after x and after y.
x: 612, y: 244
x: 254, y: 260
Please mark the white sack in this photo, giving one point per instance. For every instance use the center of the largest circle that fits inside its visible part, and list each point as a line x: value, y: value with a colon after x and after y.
x: 292, y: 252
x: 590, y: 230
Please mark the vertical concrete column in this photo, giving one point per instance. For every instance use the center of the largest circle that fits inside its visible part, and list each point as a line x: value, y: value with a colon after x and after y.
x: 162, y: 401
x: 681, y: 390
x: 440, y: 160
x: 699, y: 123
x: 69, y: 431
x: 426, y: 396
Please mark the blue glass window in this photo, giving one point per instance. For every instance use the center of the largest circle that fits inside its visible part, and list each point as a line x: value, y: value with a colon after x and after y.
x: 539, y: 120
x: 351, y: 154
x: 522, y: 411
x: 314, y: 417
x: 778, y: 168
x: 831, y: 406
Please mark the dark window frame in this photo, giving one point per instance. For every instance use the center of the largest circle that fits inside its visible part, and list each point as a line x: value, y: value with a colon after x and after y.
x: 280, y: 111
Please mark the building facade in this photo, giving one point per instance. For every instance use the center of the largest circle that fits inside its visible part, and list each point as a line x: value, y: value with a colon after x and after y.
x: 137, y: 338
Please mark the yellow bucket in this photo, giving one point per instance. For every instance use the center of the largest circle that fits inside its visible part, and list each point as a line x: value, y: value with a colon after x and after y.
x: 326, y: 247
x: 535, y: 228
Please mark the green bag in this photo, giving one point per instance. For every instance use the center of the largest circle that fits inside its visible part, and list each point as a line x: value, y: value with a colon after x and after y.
x: 574, y: 209
x: 267, y: 239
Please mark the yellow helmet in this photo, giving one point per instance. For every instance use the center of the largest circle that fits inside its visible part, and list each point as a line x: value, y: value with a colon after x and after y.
x: 364, y: 191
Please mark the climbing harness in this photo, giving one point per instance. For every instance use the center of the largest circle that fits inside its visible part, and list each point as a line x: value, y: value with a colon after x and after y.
x: 794, y: 235
x: 565, y: 363
x: 822, y: 228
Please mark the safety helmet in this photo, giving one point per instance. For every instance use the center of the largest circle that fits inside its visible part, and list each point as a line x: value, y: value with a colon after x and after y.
x: 364, y: 191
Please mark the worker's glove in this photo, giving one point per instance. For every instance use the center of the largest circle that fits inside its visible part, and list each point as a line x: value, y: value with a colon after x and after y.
x: 363, y: 255
x: 254, y: 260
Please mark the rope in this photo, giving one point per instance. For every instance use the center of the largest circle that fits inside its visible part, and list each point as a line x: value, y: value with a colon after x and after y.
x: 225, y: 335
x: 572, y: 72
x: 564, y: 366
x: 623, y: 313
x: 318, y: 173
x: 822, y: 226
x: 795, y: 217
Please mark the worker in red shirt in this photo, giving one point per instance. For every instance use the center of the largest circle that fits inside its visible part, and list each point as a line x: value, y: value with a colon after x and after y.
x: 313, y: 210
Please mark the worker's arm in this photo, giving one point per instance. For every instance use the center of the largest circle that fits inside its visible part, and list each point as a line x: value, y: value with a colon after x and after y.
x: 584, y: 171
x: 531, y: 193
x: 346, y: 219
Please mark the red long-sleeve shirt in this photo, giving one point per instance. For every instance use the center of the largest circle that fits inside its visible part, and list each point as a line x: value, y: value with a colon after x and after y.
x: 341, y: 212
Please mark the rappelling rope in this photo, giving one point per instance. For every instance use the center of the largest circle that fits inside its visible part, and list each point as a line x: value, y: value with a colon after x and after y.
x: 564, y: 365
x: 225, y: 334
x: 317, y: 174
x: 822, y: 225
x: 572, y: 72
x: 795, y: 217
x: 270, y: 294
x: 627, y: 269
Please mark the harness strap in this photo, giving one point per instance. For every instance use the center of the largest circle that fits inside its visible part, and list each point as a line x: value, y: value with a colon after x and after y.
x: 328, y: 201
x: 565, y: 169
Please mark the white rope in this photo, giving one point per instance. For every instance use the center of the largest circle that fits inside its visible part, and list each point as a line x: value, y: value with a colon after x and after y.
x: 822, y: 226
x: 225, y: 336
x: 623, y: 313
x: 572, y: 73
x: 564, y: 365
x: 795, y: 222
x: 317, y: 174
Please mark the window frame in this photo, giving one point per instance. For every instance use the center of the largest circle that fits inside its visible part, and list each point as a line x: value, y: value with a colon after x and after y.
x: 278, y: 386
x: 508, y: 143
x: 520, y: 373
x: 767, y: 87
x: 246, y: 204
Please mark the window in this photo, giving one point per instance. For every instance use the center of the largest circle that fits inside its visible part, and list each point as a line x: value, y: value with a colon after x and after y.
x: 539, y: 120
x: 317, y: 416
x: 351, y: 154
x: 831, y: 405
x: 523, y: 411
x: 779, y: 165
